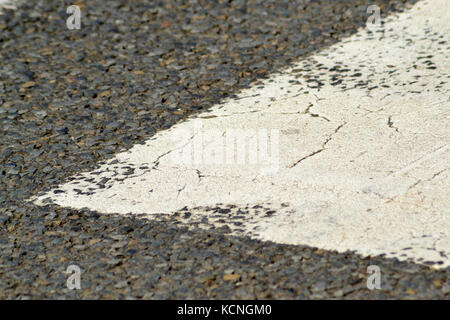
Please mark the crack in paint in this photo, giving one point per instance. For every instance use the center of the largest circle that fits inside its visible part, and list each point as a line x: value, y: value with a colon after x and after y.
x: 391, y: 124
x: 156, y: 162
x: 321, y: 149
x: 314, y: 115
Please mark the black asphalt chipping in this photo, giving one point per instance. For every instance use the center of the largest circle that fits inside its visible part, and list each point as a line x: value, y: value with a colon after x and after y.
x: 70, y: 99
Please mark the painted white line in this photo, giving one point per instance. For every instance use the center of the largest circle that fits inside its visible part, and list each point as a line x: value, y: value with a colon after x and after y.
x: 350, y: 147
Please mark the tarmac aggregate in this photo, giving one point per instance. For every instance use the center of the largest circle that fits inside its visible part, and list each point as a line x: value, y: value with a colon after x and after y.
x: 71, y: 99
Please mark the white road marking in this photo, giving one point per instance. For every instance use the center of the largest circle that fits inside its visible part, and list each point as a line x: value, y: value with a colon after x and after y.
x: 358, y: 150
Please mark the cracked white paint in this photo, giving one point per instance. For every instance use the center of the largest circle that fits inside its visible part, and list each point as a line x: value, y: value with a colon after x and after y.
x: 362, y: 168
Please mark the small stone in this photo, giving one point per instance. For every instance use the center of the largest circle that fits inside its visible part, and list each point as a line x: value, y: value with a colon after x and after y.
x: 231, y: 277
x: 338, y: 293
x: 445, y: 288
x: 94, y: 241
x: 121, y: 284
x: 28, y: 84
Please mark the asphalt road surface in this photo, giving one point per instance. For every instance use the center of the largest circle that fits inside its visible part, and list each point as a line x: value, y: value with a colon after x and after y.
x: 122, y: 149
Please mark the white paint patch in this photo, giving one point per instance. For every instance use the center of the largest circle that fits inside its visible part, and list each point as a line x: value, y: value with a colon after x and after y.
x: 361, y: 162
x: 7, y: 4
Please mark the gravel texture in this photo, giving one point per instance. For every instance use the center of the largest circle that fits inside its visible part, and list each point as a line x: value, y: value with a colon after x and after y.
x: 72, y: 99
